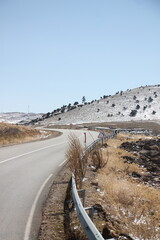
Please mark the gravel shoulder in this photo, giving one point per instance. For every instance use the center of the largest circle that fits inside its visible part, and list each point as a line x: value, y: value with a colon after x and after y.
x: 52, y: 226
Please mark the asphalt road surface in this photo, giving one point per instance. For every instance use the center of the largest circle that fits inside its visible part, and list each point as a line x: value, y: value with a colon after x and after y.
x: 26, y: 174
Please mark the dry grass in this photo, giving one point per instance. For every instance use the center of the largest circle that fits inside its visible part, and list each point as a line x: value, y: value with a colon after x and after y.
x: 11, y: 134
x: 133, y: 207
x: 76, y: 159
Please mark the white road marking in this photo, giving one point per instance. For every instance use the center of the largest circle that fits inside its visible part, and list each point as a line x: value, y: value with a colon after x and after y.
x: 31, y: 214
x: 27, y: 153
x: 24, y: 154
x: 62, y: 163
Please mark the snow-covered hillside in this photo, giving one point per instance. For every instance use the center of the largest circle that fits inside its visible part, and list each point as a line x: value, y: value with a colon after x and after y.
x: 16, y: 117
x: 138, y: 104
x: 141, y: 103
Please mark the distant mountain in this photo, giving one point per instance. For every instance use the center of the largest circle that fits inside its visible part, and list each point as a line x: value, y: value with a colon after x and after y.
x: 17, y: 117
x: 138, y: 104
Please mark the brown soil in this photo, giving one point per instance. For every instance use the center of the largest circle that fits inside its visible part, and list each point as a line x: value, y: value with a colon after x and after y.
x: 52, y: 226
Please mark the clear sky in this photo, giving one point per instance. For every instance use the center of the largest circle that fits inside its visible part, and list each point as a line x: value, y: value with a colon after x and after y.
x: 54, y: 52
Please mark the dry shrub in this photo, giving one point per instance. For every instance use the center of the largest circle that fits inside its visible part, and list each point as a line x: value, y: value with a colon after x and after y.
x: 76, y: 158
x: 98, y: 158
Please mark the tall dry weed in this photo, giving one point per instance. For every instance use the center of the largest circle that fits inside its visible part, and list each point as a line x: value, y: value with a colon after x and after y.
x: 98, y: 159
x: 76, y: 158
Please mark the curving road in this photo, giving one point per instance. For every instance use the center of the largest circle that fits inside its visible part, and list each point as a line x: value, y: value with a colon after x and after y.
x: 26, y: 174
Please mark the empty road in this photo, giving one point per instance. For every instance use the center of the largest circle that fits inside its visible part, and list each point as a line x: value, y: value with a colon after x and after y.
x: 26, y: 174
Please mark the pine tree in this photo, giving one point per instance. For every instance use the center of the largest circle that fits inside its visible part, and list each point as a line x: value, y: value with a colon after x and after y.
x: 83, y: 99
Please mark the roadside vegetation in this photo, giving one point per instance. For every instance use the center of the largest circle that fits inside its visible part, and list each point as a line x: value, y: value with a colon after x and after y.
x: 77, y: 160
x: 130, y: 206
x: 14, y: 134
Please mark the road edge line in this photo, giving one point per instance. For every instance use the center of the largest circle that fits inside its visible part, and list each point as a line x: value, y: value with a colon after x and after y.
x: 62, y: 163
x: 27, y: 153
x: 31, y: 214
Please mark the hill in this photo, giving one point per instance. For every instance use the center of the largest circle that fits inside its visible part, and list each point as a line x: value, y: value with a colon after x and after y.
x: 16, y: 117
x: 138, y: 104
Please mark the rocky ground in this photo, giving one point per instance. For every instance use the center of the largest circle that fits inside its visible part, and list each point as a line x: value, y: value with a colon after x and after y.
x: 147, y: 154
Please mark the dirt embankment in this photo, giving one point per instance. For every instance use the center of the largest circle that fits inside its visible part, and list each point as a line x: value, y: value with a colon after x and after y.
x: 124, y: 194
x: 144, y: 125
x: 14, y: 134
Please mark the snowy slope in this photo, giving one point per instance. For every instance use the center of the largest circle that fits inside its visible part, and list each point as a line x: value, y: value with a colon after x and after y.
x: 16, y: 117
x: 141, y: 103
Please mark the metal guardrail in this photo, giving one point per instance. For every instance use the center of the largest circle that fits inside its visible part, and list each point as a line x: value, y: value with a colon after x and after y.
x: 126, y: 130
x: 100, y: 140
x: 87, y: 224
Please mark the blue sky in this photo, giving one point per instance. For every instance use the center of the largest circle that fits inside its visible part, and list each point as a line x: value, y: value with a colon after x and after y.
x: 54, y: 52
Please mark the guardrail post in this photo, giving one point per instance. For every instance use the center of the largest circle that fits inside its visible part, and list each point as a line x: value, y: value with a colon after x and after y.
x: 82, y: 194
x: 91, y: 212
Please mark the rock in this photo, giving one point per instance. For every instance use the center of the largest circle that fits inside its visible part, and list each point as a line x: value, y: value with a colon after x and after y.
x: 154, y: 153
x: 144, y: 152
x: 136, y: 175
x: 95, y: 183
x: 97, y: 207
x: 106, y: 233
x: 155, y: 147
x: 157, y: 160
